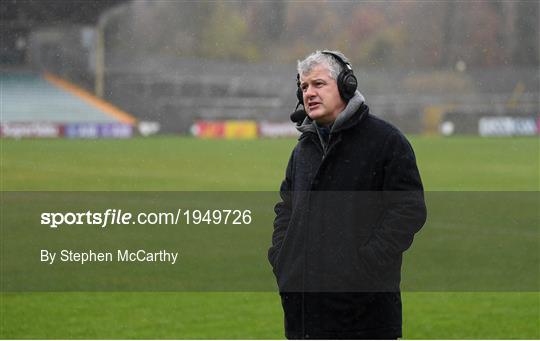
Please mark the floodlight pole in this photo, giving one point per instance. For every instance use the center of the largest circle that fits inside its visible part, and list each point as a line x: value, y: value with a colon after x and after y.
x: 100, y: 48
x: 100, y: 62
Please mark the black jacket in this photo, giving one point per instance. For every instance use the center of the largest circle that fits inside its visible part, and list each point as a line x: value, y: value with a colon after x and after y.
x: 349, y: 210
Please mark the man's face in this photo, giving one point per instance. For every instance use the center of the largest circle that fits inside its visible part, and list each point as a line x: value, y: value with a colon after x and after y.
x: 321, y: 95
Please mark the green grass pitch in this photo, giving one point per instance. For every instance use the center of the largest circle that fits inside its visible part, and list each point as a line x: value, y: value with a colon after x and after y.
x: 182, y: 164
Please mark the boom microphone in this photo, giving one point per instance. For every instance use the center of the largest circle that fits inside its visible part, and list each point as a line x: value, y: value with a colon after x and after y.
x: 298, y: 116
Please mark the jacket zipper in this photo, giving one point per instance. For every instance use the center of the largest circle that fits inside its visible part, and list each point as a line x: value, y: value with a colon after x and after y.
x: 331, y: 146
x: 324, y: 150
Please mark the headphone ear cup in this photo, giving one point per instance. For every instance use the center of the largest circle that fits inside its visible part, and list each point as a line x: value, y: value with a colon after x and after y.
x: 300, y: 95
x: 347, y: 84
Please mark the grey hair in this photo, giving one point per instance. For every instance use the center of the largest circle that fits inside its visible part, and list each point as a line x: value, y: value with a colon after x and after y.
x: 319, y: 58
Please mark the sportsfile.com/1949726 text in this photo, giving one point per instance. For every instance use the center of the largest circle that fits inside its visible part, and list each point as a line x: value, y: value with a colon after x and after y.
x: 119, y: 217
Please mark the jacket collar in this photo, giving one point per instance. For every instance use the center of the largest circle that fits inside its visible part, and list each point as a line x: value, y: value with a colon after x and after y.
x: 345, y: 119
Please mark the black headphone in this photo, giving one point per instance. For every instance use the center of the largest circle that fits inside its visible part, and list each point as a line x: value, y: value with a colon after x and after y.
x: 346, y: 80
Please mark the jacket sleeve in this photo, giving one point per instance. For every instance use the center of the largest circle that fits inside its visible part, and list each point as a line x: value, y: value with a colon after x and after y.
x: 283, y: 214
x: 404, y: 211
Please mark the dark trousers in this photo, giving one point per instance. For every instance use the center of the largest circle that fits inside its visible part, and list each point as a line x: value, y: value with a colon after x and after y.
x: 342, y: 315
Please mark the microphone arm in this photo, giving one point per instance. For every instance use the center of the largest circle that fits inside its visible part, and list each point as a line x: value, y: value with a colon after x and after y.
x: 298, y: 116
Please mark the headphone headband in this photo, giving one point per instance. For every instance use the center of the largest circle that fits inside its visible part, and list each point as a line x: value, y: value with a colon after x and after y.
x: 346, y: 80
x: 344, y: 64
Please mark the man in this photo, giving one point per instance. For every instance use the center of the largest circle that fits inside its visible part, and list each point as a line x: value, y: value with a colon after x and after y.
x: 352, y: 200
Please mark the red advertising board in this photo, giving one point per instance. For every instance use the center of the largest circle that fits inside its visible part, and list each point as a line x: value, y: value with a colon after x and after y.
x: 208, y: 129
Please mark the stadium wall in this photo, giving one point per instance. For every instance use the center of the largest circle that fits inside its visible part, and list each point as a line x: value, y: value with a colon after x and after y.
x: 175, y: 93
